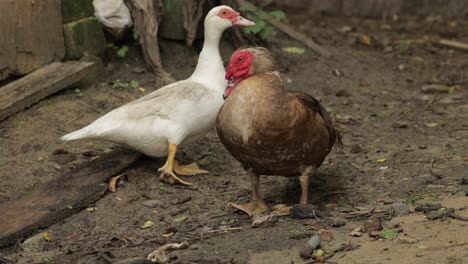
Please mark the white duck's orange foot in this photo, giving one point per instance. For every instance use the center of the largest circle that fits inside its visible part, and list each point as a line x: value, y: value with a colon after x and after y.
x: 168, y: 176
x: 188, y: 170
x: 251, y: 208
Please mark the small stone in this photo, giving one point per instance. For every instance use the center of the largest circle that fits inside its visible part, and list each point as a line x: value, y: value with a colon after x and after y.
x: 262, y: 220
x: 407, y: 240
x: 435, y: 215
x: 400, y: 124
x: 304, y: 211
x: 194, y: 246
x: 138, y: 70
x: 372, y: 225
x: 337, y: 72
x: 34, y: 244
x: 355, y: 148
x: 154, y: 203
x: 306, y: 252
x: 314, y: 241
x: 335, y: 221
x: 464, y: 180
x: 388, y: 49
x: 357, y: 232
x: 435, y: 89
x: 401, y: 67
x: 342, y: 93
x: 428, y: 207
x: 400, y: 209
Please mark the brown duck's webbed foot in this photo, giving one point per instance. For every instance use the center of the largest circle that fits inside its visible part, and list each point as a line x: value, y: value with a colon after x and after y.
x: 257, y: 205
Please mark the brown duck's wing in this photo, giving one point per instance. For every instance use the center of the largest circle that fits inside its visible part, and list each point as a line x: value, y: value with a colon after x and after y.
x: 314, y: 105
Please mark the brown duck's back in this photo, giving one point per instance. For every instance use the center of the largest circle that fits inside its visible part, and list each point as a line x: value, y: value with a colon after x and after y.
x: 273, y: 131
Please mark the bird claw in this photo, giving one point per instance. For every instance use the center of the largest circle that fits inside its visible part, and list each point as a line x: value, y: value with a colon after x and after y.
x: 170, y: 177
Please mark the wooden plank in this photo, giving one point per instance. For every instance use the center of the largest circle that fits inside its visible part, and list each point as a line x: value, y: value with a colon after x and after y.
x: 61, y: 197
x: 32, y: 35
x: 49, y: 79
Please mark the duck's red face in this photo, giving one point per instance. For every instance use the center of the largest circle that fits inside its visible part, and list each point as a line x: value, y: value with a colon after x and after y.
x: 238, y: 70
x: 234, y: 17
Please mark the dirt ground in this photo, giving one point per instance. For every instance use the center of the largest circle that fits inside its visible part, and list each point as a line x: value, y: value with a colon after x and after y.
x: 404, y: 146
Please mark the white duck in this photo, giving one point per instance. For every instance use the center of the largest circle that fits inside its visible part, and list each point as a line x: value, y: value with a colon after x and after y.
x: 176, y: 114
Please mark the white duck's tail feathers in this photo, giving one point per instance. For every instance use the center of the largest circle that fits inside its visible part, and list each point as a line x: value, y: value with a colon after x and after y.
x: 84, y: 133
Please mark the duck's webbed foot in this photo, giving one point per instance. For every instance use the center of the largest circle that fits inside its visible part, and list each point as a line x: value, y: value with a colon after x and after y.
x: 171, y: 169
x: 252, y: 208
x: 257, y: 205
x: 188, y: 170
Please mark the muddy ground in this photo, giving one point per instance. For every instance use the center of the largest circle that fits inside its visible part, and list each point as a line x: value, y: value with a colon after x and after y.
x: 404, y: 146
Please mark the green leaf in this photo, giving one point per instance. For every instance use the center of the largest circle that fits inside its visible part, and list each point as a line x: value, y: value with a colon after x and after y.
x: 266, y: 31
x: 247, y: 8
x: 147, y: 224
x: 122, y: 52
x: 389, y: 234
x: 278, y: 14
x: 70, y: 206
x: 295, y: 50
x: 134, y: 84
x: 135, y: 35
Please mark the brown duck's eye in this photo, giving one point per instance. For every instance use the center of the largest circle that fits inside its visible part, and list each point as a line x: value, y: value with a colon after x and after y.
x: 241, y: 59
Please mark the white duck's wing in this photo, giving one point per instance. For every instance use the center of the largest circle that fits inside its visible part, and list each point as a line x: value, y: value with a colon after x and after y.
x: 164, y: 102
x: 161, y: 104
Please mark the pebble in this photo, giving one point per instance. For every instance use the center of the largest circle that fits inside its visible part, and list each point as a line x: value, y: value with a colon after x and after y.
x: 34, y: 244
x: 342, y: 93
x: 138, y: 70
x: 263, y: 220
x: 435, y: 215
x: 401, y: 67
x: 400, y: 209
x: 357, y: 232
x: 464, y: 180
x: 372, y: 225
x: 335, y: 221
x: 435, y: 89
x: 400, y: 124
x: 355, y: 148
x: 154, y: 203
x: 304, y: 211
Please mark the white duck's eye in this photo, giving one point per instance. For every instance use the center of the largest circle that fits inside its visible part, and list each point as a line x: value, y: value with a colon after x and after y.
x: 224, y: 13
x: 241, y: 59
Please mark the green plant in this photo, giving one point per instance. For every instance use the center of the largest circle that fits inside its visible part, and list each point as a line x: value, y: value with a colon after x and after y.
x: 120, y: 51
x: 119, y: 84
x: 262, y: 28
x: 162, y: 188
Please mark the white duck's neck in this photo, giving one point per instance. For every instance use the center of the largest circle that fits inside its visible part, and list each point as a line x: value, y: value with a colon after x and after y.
x: 210, y: 69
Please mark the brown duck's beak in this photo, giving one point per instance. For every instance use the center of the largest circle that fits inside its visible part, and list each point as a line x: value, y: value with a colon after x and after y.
x: 241, y: 21
x: 232, y: 83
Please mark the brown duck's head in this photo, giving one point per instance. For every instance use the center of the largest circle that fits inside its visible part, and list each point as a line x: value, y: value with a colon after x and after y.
x: 246, y: 62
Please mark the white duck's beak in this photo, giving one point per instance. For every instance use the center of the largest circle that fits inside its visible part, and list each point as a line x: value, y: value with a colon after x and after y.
x: 241, y: 21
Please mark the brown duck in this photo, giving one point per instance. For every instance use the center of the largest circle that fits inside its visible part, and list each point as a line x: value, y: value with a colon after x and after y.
x: 270, y: 130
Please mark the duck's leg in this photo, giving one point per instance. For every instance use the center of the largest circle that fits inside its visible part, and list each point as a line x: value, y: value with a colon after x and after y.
x: 304, y: 180
x: 167, y: 171
x: 257, y: 205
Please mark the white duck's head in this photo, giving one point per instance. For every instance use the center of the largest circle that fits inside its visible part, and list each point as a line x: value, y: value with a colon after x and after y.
x: 222, y: 17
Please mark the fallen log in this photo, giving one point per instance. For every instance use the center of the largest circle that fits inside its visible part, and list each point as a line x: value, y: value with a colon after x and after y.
x: 59, y: 198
